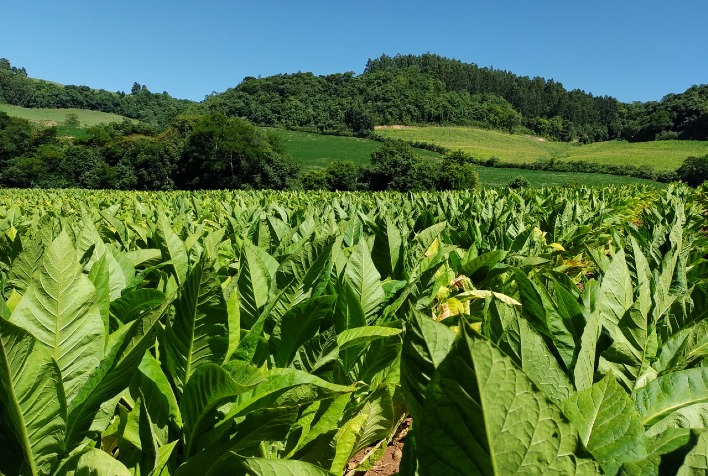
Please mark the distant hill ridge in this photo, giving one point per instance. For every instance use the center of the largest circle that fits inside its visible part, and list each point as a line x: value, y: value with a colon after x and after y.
x: 403, y: 89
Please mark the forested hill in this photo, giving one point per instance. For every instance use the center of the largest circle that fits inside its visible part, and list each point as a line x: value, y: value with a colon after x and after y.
x: 425, y: 89
x: 157, y: 109
x: 430, y: 89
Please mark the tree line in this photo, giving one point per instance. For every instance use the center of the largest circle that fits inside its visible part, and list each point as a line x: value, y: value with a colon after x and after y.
x: 203, y: 151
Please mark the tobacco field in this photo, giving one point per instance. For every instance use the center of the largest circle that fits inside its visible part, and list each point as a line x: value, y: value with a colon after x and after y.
x: 539, y: 331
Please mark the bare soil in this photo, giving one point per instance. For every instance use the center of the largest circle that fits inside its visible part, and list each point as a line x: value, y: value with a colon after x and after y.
x: 389, y: 463
x: 393, y: 126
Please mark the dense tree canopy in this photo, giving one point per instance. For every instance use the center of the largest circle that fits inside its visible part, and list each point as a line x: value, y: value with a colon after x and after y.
x: 223, y: 152
x: 204, y: 151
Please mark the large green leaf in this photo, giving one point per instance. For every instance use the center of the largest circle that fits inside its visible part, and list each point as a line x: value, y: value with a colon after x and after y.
x: 365, y: 280
x: 372, y: 423
x: 684, y: 348
x: 32, y: 395
x: 236, y: 465
x: 669, y: 393
x: 541, y: 366
x: 323, y: 419
x: 608, y: 424
x: 285, y: 387
x: 425, y: 346
x: 25, y: 265
x: 254, y: 282
x: 133, y: 303
x: 387, y: 251
x: 364, y: 335
x: 298, y: 325
x: 543, y: 315
x: 93, y: 462
x: 696, y: 461
x: 584, y: 368
x: 152, y: 385
x: 137, y: 444
x: 60, y: 310
x: 173, y: 249
x: 125, y: 350
x: 211, y: 387
x: 302, y: 275
x: 618, y: 294
x: 348, y: 312
x: 199, y: 331
x: 482, y: 415
x: 478, y: 268
x: 245, y: 435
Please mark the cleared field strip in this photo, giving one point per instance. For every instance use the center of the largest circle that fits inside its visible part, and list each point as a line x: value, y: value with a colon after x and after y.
x: 483, y: 144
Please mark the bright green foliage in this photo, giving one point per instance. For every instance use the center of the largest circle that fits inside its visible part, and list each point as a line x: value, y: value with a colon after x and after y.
x: 482, y: 415
x: 557, y: 331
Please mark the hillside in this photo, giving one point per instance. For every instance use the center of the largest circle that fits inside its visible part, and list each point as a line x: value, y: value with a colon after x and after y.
x: 403, y: 89
x: 432, y: 90
x: 312, y: 151
x: 523, y: 149
x: 85, y: 117
x: 17, y: 88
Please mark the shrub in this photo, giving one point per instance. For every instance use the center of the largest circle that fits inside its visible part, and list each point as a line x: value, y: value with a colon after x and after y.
x: 519, y: 182
x: 693, y: 171
x: 457, y: 172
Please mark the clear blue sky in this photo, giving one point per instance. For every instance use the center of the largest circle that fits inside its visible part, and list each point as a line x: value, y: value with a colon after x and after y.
x: 629, y: 49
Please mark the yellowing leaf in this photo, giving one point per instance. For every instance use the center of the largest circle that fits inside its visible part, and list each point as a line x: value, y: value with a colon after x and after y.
x: 557, y: 246
x: 13, y: 300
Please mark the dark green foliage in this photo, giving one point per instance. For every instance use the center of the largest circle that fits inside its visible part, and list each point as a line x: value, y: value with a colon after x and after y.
x: 519, y: 182
x: 395, y: 167
x: 342, y: 175
x: 359, y: 121
x: 195, y: 152
x: 677, y: 116
x: 15, y: 137
x: 339, y: 175
x: 315, y: 179
x: 457, y: 172
x: 693, y: 171
x: 72, y: 119
x: 223, y: 152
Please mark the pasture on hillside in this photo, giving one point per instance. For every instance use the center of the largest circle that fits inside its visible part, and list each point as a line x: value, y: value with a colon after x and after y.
x: 517, y: 148
x: 316, y: 150
x: 501, y: 177
x: 58, y: 118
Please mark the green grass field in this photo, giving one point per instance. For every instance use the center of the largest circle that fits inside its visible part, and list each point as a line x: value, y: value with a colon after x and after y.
x: 315, y: 150
x: 58, y: 116
x: 483, y: 144
x: 498, y: 177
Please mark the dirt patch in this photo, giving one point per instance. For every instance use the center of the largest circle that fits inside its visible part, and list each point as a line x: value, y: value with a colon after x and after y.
x: 49, y: 123
x: 394, y: 127
x: 389, y: 463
